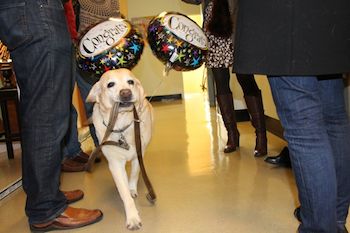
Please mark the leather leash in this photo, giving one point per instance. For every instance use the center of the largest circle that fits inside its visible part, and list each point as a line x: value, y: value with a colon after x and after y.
x: 151, y: 196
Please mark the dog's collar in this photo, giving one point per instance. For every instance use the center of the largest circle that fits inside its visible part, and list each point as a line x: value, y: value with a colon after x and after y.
x: 112, y: 120
x: 125, y: 127
x: 120, y: 130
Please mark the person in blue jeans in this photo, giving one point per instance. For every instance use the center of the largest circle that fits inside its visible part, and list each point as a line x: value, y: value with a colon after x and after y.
x: 38, y: 40
x: 304, y: 48
x: 312, y: 112
x: 87, y: 13
x: 75, y: 158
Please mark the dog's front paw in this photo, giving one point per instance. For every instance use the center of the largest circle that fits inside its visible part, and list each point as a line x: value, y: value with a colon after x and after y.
x: 133, y: 193
x: 133, y: 223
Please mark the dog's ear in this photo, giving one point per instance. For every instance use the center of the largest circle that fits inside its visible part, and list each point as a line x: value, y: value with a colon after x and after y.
x: 141, y: 92
x: 94, y: 93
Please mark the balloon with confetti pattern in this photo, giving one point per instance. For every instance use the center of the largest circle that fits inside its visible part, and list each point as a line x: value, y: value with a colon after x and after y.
x: 111, y: 44
x: 177, y: 41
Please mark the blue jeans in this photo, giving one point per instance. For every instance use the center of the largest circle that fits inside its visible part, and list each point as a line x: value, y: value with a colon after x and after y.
x: 37, y: 36
x: 84, y: 88
x: 73, y: 146
x: 316, y: 127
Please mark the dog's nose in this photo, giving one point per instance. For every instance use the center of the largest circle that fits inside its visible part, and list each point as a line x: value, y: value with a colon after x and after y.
x: 125, y: 94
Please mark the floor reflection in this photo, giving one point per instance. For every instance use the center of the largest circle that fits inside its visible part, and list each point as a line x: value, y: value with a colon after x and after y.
x: 199, y: 188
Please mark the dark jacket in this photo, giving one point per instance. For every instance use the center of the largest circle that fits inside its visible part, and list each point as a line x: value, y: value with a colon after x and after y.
x: 292, y: 37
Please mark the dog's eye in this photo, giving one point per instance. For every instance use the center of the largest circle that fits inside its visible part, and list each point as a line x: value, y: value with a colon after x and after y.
x: 131, y: 82
x: 111, y: 84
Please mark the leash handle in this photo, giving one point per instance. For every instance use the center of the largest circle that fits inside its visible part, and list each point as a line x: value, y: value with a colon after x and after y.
x: 151, y: 196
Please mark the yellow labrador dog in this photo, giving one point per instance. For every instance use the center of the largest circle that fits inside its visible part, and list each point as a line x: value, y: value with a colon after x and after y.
x: 121, y: 86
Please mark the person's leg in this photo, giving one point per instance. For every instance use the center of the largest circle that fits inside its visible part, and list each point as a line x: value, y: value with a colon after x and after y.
x: 72, y: 145
x: 84, y: 88
x: 300, y: 110
x: 43, y: 70
x: 253, y: 99
x: 338, y: 128
x: 248, y: 84
x: 74, y: 158
x: 225, y: 101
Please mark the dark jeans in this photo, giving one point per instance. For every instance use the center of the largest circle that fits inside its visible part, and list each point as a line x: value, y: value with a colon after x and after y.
x: 316, y: 126
x: 73, y: 146
x: 37, y: 36
x: 84, y: 88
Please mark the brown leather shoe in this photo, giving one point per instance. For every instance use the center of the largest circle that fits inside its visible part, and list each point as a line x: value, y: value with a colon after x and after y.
x: 73, y: 196
x: 69, y: 165
x: 71, y: 218
x: 83, y: 157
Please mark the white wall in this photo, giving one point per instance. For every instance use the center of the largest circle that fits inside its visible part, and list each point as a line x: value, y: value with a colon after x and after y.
x: 269, y: 105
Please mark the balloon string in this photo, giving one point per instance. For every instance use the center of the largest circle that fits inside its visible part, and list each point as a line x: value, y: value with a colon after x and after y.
x: 167, y: 68
x: 156, y: 89
x: 169, y: 65
x: 204, y: 80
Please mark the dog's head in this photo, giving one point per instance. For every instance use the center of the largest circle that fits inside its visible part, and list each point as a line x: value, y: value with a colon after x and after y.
x: 118, y: 85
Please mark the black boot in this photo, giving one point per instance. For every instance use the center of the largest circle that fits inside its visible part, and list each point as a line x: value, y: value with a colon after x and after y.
x: 282, y: 159
x: 228, y: 116
x: 256, y: 111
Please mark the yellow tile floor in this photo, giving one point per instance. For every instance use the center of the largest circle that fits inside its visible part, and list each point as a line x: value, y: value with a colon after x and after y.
x: 200, y: 189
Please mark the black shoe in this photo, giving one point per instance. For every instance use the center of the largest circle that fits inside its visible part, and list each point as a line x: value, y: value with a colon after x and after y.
x: 282, y: 159
x: 297, y: 214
